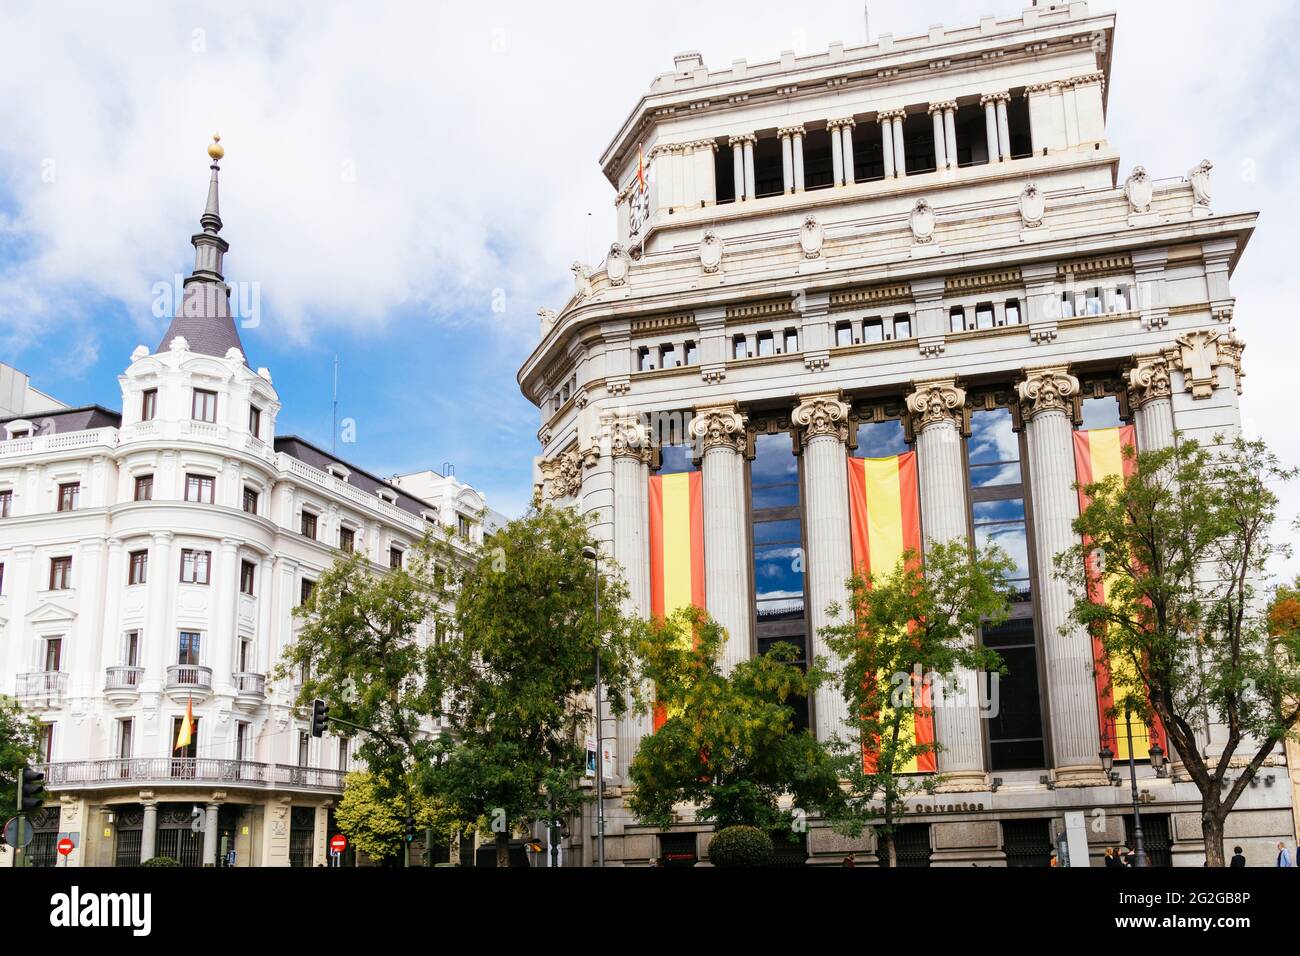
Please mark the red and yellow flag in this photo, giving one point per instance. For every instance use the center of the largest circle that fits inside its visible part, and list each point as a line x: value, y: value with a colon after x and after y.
x: 1099, y: 454
x: 676, y: 548
x: 884, y: 523
x: 185, y: 736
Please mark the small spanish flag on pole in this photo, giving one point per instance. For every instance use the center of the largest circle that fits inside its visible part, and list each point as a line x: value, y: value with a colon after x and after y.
x: 186, y: 734
x: 640, y: 168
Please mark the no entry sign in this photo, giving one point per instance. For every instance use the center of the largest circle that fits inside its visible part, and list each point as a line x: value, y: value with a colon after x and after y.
x: 66, y: 846
x: 338, y: 843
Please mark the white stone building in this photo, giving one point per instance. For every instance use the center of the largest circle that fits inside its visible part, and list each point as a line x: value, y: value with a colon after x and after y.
x: 920, y: 244
x: 152, y: 558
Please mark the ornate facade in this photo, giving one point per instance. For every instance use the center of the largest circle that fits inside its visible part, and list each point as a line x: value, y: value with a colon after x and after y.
x: 921, y: 245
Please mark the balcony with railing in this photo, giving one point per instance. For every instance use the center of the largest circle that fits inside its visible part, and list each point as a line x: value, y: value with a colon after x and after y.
x: 181, y: 771
x: 189, y: 681
x: 41, y: 688
x: 122, y: 683
x: 250, y: 690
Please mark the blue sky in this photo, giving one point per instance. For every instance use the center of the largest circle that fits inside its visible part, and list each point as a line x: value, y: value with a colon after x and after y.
x: 394, y: 170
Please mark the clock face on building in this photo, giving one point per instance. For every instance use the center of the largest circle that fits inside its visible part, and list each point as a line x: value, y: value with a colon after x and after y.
x: 639, y: 210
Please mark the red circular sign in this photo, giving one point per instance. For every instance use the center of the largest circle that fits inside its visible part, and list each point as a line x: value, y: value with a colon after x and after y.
x: 338, y: 843
x: 66, y: 846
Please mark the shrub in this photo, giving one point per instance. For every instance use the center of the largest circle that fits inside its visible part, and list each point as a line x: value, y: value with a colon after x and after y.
x: 740, y: 846
x: 160, y: 861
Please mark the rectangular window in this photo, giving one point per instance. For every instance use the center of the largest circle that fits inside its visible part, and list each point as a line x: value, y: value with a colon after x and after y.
x: 6, y: 503
x: 462, y: 526
x: 844, y: 333
x: 873, y: 330
x: 1067, y: 305
x: 347, y: 540
x: 188, y: 648
x: 668, y: 356
x: 195, y: 566
x: 254, y: 421
x: 739, y: 349
x: 308, y: 525
x: 247, y: 577
x: 148, y: 404
x: 305, y: 591
x: 138, y: 572
x: 144, y: 488
x: 204, y: 407
x: 791, y: 341
x: 60, y: 573
x: 250, y: 500
x: 53, y: 656
x: 241, y: 740
x: 131, y: 650
x: 200, y: 488
x: 984, y: 315
x: 692, y: 353
x: 181, y: 767
x: 766, y: 344
x: 957, y: 319
x: 47, y: 742
x: 124, y: 728
x: 902, y: 326
x: 644, y: 363
x: 69, y: 496
x: 304, y: 748
x: 394, y: 557
x: 245, y: 662
x: 1013, y: 312
x: 343, y: 754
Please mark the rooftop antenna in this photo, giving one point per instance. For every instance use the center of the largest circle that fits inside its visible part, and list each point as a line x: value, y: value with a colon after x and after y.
x: 334, y: 425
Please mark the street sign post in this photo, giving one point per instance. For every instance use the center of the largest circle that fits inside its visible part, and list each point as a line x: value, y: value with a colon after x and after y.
x: 65, y: 848
x: 338, y: 843
x: 18, y: 832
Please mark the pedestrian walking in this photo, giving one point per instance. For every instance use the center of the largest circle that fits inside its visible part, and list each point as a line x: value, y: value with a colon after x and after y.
x: 1284, y: 857
x: 1238, y: 859
x: 1111, y: 858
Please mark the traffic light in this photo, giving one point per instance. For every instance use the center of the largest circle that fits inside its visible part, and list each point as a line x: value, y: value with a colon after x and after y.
x: 320, y: 713
x: 410, y: 829
x: 30, y: 784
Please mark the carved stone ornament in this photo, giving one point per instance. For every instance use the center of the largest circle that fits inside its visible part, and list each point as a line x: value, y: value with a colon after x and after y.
x: 1047, y: 389
x: 627, y: 437
x: 1199, y: 354
x: 581, y: 280
x: 1199, y: 177
x: 562, y: 475
x: 935, y: 402
x: 617, y: 264
x: 718, y: 427
x: 548, y: 319
x: 1148, y: 380
x: 811, y: 237
x: 922, y: 222
x: 818, y: 415
x: 710, y: 251
x: 1137, y: 189
x: 1032, y: 206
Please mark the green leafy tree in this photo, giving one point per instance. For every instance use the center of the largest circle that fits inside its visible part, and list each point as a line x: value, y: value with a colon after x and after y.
x: 516, y: 670
x: 902, y: 626
x: 19, y: 747
x: 729, y: 744
x: 1184, y: 544
x: 372, y: 814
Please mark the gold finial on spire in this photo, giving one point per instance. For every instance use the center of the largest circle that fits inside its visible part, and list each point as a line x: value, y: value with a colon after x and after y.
x: 215, y: 149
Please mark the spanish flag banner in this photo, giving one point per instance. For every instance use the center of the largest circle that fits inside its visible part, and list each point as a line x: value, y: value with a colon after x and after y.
x: 676, y: 548
x: 1099, y: 454
x: 185, y: 736
x: 884, y: 523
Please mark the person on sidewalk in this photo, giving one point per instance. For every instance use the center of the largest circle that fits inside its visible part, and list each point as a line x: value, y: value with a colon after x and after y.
x: 1238, y: 859
x: 1284, y: 856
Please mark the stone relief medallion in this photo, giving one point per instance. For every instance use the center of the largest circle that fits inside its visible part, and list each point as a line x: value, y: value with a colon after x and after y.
x: 710, y: 251
x: 1138, y: 190
x: 617, y: 264
x: 811, y: 237
x: 922, y: 222
x: 1032, y: 206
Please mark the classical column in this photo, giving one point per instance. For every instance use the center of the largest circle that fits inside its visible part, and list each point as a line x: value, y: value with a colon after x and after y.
x: 1150, y: 396
x: 149, y: 835
x: 950, y: 132
x: 900, y: 156
x: 940, y: 151
x: 823, y: 424
x: 846, y: 141
x: 1045, y: 397
x: 990, y: 104
x: 887, y: 143
x: 719, y: 431
x: 224, y: 596
x: 837, y: 153
x: 936, y: 407
x: 738, y: 166
x: 630, y: 451
x: 1004, y: 128
x: 796, y: 149
x: 210, y: 835
x: 749, y: 167
x: 787, y: 159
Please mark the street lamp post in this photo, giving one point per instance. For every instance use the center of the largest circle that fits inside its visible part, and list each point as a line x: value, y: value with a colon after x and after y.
x: 594, y: 556
x: 1157, y: 760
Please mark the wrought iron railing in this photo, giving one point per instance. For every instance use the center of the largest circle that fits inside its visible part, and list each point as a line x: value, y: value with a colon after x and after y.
x: 88, y: 773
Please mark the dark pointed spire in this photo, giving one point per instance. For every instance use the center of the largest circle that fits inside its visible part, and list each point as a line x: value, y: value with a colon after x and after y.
x: 203, y: 316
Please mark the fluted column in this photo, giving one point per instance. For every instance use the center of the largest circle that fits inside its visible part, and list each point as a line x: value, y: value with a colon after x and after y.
x: 787, y: 160
x: 1045, y: 396
x: 225, y: 594
x: 630, y: 450
x: 750, y: 192
x: 738, y: 167
x: 837, y: 153
x: 1150, y: 396
x: 796, y: 149
x: 823, y: 424
x: 110, y: 641
x: 936, y: 407
x: 1004, y: 128
x: 149, y: 833
x: 887, y: 143
x: 900, y: 153
x: 990, y: 104
x: 950, y: 132
x: 940, y: 150
x: 719, y: 432
x: 842, y: 150
x: 210, y: 835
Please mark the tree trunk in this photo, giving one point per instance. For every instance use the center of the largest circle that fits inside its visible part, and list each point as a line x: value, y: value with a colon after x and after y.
x: 1212, y: 836
x: 503, y: 849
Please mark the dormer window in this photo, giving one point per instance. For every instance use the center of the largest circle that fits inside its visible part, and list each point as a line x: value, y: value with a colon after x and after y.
x: 387, y: 495
x: 148, y: 404
x: 338, y: 471
x: 462, y: 526
x: 204, y: 406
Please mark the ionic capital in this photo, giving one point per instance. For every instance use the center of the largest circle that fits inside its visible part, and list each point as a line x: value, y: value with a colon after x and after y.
x: 1046, y: 389
x: 935, y: 402
x: 741, y: 139
x: 995, y: 98
x: 1148, y: 380
x: 942, y: 106
x: 796, y: 130
x: 818, y: 415
x: 847, y: 122
x: 886, y: 116
x: 718, y: 426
